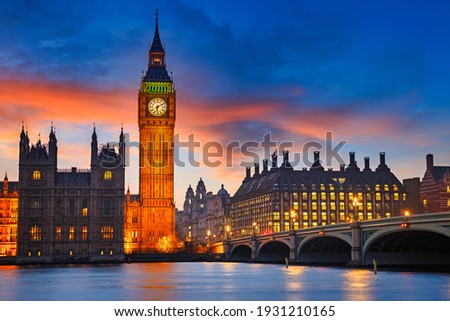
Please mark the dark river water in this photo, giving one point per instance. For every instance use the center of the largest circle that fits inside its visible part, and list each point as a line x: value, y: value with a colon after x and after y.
x: 216, y: 281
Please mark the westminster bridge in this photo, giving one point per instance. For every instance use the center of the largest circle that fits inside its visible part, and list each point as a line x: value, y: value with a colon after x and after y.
x: 422, y: 239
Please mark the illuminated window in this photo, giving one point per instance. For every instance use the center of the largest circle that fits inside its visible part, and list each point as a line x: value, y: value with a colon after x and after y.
x: 305, y: 216
x: 58, y: 233
x: 323, y: 196
x: 314, y: 216
x: 448, y: 189
x: 324, y: 216
x: 305, y: 196
x: 276, y: 226
x: 84, y: 211
x: 360, y: 216
x: 378, y: 197
x: 71, y: 233
x: 110, y: 252
x: 395, y: 188
x: 369, y: 206
x: 424, y: 202
x: 314, y: 206
x: 295, y: 205
x: 377, y: 187
x: 369, y: 215
x: 396, y: 198
x: 388, y: 215
x: 36, y: 175
x: 70, y: 252
x: 107, y: 232
x: 305, y: 224
x: 333, y: 196
x: 322, y: 187
x: 35, y: 233
x: 386, y: 187
x: 341, y: 216
x: 276, y: 216
x: 107, y: 176
x: 324, y: 206
x: 102, y: 252
x: 39, y: 253
x: 286, y: 226
x: 84, y: 233
x: 341, y: 196
x: 314, y: 196
x: 333, y: 206
x: 448, y: 202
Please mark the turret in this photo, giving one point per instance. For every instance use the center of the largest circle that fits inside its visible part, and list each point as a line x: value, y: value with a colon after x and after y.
x: 94, y: 148
x: 122, y: 147
x: 5, y: 185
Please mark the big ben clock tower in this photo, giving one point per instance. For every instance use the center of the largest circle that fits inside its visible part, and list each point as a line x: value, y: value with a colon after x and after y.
x: 156, y: 118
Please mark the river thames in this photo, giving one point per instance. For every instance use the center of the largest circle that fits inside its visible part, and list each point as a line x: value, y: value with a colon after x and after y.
x: 216, y: 282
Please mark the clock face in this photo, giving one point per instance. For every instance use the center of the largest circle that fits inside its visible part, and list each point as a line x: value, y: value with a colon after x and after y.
x: 157, y: 107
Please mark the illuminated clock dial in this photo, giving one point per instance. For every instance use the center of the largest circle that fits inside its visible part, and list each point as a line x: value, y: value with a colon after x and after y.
x: 157, y: 107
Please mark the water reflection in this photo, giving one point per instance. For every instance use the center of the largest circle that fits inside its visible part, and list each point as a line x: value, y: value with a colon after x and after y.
x: 358, y: 285
x: 215, y: 281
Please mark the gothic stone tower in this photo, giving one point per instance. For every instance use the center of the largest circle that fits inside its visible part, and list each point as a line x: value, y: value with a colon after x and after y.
x: 156, y: 119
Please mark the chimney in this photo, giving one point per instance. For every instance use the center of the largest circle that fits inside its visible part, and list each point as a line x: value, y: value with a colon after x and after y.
x: 265, y: 166
x: 274, y: 160
x: 342, y: 167
x: 286, y: 163
x: 352, y: 158
x: 352, y: 166
x: 367, y: 164
x: 382, y: 158
x: 316, y: 156
x: 430, y: 161
x: 256, y: 170
x: 247, y: 173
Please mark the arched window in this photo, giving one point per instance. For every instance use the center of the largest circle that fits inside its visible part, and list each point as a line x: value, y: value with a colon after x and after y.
x: 107, y: 175
x: 36, y: 175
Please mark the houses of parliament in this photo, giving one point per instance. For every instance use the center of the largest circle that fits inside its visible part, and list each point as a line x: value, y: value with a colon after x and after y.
x: 84, y: 215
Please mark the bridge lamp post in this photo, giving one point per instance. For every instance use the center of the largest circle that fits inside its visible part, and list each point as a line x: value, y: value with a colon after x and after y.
x: 293, y: 215
x: 405, y: 223
x: 227, y: 229
x: 208, y: 236
x: 355, y: 210
x: 255, y: 226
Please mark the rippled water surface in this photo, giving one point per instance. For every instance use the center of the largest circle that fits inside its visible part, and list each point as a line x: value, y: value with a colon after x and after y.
x: 216, y: 281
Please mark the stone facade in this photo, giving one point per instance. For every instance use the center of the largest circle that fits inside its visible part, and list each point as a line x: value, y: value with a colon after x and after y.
x: 9, y: 208
x: 282, y: 199
x: 150, y: 217
x: 205, y: 217
x: 70, y: 215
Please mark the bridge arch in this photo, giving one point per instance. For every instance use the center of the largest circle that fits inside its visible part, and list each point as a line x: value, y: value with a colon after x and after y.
x: 241, y: 253
x: 417, y: 245
x: 331, y: 248
x: 273, y: 251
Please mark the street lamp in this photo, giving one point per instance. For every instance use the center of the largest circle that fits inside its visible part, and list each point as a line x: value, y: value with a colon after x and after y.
x: 355, y: 210
x: 255, y: 226
x: 405, y: 222
x: 293, y: 215
x: 227, y: 229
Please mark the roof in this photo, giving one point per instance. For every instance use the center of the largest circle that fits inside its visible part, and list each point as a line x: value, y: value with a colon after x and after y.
x: 73, y: 178
x: 310, y: 180
x: 439, y: 172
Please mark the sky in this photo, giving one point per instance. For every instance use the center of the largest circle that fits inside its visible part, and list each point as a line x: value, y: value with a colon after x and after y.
x: 371, y: 74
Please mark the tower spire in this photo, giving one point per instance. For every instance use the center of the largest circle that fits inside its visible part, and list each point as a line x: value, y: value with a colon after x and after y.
x: 156, y: 70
